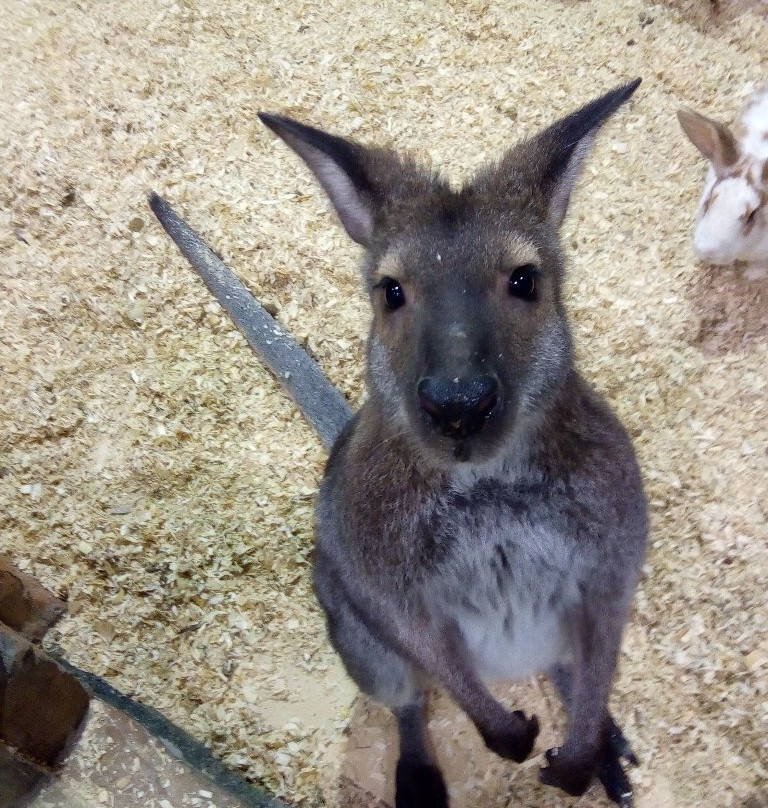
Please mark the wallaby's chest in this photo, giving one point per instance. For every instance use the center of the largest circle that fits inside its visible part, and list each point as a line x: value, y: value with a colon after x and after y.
x: 506, y: 579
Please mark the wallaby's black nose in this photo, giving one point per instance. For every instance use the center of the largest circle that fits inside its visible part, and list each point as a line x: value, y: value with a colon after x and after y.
x: 458, y: 408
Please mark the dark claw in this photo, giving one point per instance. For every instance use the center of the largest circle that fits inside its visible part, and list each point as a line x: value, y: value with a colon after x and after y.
x: 619, y: 746
x: 615, y: 782
x: 611, y: 772
x: 572, y: 773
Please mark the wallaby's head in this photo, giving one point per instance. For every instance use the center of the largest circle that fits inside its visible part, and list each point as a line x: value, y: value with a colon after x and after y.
x: 469, y: 335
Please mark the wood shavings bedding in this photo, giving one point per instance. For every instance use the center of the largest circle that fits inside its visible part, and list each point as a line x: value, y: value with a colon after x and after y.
x: 152, y: 472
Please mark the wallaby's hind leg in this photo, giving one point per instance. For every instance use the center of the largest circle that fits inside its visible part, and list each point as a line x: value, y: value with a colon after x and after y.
x: 388, y: 678
x: 610, y: 770
x: 419, y: 783
x: 383, y: 674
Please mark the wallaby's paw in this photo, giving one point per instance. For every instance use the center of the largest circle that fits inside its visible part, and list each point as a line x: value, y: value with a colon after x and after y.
x: 611, y: 771
x: 615, y: 781
x: 419, y: 785
x: 514, y: 741
x: 572, y: 773
x: 617, y: 746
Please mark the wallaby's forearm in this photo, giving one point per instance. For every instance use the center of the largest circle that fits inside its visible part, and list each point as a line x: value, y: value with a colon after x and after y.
x: 436, y: 647
x: 320, y: 402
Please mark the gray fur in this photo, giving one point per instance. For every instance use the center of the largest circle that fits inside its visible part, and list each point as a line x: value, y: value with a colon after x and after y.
x: 456, y: 559
x: 321, y: 403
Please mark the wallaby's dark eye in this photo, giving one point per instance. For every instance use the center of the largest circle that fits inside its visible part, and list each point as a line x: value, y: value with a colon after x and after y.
x: 750, y: 218
x: 522, y: 282
x: 394, y: 296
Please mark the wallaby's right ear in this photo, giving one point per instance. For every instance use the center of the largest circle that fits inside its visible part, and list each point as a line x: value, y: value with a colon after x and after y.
x: 340, y: 167
x: 714, y: 140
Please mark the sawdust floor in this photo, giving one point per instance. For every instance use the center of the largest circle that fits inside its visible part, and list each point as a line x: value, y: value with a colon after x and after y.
x: 152, y: 473
x: 117, y: 763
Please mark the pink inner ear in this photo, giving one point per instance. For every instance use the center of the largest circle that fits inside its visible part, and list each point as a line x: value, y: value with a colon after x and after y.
x: 714, y: 140
x: 355, y: 216
x: 729, y: 153
x: 725, y: 151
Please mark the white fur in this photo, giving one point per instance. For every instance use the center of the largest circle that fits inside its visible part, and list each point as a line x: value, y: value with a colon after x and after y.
x: 722, y: 236
x: 558, y: 203
x: 537, y: 587
x: 354, y: 214
x: 535, y: 643
x: 754, y: 122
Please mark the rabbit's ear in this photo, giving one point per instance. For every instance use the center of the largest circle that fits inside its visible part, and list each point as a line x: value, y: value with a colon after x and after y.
x: 547, y: 166
x: 714, y: 140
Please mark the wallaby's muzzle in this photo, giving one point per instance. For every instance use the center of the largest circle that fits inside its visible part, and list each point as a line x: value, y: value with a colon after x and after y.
x: 458, y: 408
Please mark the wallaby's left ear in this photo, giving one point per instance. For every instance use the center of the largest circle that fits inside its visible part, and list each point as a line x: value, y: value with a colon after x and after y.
x: 550, y: 163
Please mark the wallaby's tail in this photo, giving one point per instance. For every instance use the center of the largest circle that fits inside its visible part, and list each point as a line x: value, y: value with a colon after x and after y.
x: 320, y: 402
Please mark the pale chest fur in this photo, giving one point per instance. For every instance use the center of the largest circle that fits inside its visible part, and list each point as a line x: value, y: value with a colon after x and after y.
x: 506, y: 582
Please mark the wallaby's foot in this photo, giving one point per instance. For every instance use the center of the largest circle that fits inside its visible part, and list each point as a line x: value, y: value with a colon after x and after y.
x: 515, y: 740
x: 573, y: 771
x: 570, y: 771
x: 615, y: 781
x: 611, y: 771
x: 419, y: 785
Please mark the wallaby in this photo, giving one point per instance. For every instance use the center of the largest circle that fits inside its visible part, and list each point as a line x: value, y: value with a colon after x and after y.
x: 482, y: 516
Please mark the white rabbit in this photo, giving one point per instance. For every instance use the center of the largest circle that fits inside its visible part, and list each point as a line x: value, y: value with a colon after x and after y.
x: 732, y: 220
